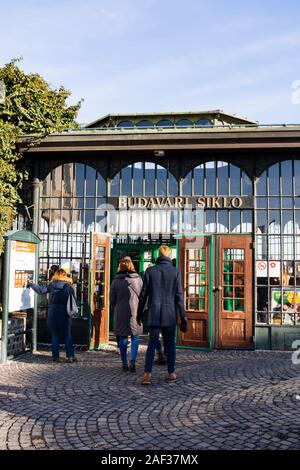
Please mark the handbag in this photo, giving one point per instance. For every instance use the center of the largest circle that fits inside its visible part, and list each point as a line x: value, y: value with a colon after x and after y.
x: 72, y: 308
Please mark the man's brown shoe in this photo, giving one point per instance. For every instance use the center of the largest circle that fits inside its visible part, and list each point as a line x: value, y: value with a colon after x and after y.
x: 171, y: 377
x: 146, y: 379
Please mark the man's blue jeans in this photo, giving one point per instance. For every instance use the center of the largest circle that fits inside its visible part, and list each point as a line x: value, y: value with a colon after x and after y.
x: 170, y: 347
x: 123, y: 341
x: 68, y: 341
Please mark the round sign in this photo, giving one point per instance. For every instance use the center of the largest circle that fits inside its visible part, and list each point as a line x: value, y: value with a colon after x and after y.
x: 262, y: 266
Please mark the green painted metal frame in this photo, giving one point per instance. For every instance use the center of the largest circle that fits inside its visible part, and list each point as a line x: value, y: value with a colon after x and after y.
x: 210, y: 290
x: 22, y: 236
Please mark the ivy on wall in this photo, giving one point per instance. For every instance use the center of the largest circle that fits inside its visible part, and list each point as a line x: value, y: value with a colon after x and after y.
x: 28, y: 105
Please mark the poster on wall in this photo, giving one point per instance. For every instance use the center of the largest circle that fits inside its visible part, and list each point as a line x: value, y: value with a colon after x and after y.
x: 288, y: 300
x: 22, y: 269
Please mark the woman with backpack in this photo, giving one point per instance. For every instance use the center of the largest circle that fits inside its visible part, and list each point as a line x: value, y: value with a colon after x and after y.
x: 124, y: 298
x: 58, y: 320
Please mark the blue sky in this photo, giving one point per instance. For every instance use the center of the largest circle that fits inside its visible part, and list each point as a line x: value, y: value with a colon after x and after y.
x: 161, y: 55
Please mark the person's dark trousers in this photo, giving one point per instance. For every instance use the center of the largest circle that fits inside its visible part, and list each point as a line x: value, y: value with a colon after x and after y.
x: 170, y: 348
x: 158, y: 346
x: 68, y: 342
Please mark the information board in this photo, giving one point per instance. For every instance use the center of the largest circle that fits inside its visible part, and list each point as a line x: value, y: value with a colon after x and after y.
x: 22, y: 268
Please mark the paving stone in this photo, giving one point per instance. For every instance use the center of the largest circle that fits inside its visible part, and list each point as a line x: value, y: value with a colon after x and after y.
x: 223, y: 400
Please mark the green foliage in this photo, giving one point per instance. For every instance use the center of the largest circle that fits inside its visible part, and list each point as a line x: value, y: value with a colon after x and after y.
x: 31, y: 107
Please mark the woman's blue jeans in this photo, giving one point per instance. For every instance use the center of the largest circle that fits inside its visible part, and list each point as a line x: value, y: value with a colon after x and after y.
x: 68, y: 341
x: 123, y: 341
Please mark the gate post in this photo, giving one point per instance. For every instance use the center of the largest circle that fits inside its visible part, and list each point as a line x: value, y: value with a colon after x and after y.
x: 4, y: 335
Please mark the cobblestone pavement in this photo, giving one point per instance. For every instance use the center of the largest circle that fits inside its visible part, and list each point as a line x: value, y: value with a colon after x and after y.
x: 222, y: 400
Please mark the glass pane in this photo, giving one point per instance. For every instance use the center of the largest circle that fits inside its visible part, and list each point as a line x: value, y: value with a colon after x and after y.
x: 297, y: 179
x: 246, y: 185
x: 262, y: 317
x: 115, y: 185
x: 239, y: 292
x: 246, y: 221
x: 90, y: 181
x: 227, y: 292
x: 90, y: 203
x: 287, y: 221
x: 68, y: 180
x: 274, y: 180
x: 149, y: 179
x: 79, y: 179
x: 238, y: 279
x: 261, y: 221
x: 228, y: 304
x: 55, y: 202
x: 239, y: 305
x: 235, y: 180
x: 165, y: 123
x: 223, y: 180
x: 274, y: 202
x: 101, y: 190
x: 199, y: 180
x: 57, y: 181
x: 261, y: 202
x: 46, y: 186
x: 261, y: 185
x: 210, y: 178
x: 161, y: 181
x: 126, y: 181
x: 288, y: 247
x: 187, y: 185
x: 223, y: 221
x: 262, y: 299
x: 184, y: 123
x: 287, y: 203
x: 297, y: 221
x: 210, y: 222
x: 138, y: 179
x: 173, y: 185
x: 288, y: 273
x: 287, y: 177
x: 261, y: 247
x: 235, y: 221
x: 125, y: 124
x: 297, y: 273
x: 274, y: 221
x: 274, y: 247
x: 145, y: 123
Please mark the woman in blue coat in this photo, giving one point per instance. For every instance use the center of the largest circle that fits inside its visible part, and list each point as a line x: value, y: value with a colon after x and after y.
x: 58, y: 320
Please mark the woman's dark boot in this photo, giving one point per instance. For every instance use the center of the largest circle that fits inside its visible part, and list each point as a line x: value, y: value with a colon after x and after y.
x: 132, y: 366
x: 161, y: 359
x: 125, y: 368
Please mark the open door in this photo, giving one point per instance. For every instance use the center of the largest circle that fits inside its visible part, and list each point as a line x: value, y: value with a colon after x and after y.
x: 235, y: 292
x: 195, y: 266
x: 99, y: 290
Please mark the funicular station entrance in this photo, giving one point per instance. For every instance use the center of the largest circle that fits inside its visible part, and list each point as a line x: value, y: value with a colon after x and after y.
x: 220, y: 190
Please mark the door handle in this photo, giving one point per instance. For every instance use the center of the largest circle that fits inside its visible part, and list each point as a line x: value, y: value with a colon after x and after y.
x: 217, y: 288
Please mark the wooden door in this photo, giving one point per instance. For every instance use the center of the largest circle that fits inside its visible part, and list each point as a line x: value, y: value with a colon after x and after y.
x: 194, y: 264
x: 235, y: 292
x: 99, y: 290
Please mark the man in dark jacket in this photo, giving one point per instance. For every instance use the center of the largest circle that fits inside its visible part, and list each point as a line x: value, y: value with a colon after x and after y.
x: 162, y: 287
